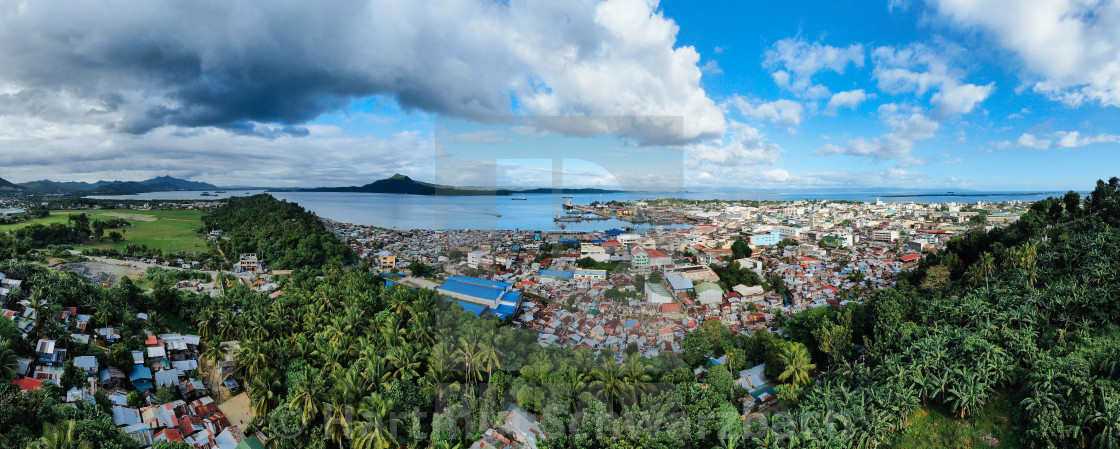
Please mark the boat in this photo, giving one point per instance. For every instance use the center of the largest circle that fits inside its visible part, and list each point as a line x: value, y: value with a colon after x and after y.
x: 568, y: 204
x: 497, y: 215
x: 519, y: 198
x: 568, y: 218
x: 567, y: 196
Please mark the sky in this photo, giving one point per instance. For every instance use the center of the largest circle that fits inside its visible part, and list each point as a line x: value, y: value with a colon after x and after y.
x: 953, y: 94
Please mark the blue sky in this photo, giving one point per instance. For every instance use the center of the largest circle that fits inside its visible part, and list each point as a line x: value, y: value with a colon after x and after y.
x: 958, y: 94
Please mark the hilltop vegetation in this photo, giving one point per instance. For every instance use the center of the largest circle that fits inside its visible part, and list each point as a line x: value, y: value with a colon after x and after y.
x: 282, y: 234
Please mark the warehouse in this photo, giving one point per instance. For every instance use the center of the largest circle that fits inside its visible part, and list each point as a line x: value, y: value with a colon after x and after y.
x: 497, y: 297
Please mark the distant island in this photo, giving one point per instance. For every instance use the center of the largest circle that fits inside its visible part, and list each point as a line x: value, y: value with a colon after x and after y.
x: 158, y: 184
x: 401, y: 184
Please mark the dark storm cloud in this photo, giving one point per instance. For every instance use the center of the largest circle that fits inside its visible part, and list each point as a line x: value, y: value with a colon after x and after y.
x: 223, y: 63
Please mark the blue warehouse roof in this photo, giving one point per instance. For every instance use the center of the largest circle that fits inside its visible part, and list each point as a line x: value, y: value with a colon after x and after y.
x: 477, y: 310
x: 558, y: 274
x: 480, y: 281
x: 473, y: 290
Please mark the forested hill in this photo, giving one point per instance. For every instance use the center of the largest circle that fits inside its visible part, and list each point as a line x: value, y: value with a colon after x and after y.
x: 282, y: 234
x: 1027, y: 314
x: 1024, y: 315
x: 5, y: 185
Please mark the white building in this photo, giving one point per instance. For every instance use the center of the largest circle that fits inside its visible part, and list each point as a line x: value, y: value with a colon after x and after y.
x: 474, y: 258
x: 885, y: 235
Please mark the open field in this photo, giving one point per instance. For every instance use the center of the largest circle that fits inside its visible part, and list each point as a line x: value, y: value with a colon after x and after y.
x: 167, y: 230
x: 932, y: 429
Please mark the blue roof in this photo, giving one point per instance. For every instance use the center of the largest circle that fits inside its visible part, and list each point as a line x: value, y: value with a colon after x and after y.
x: 558, y: 273
x: 511, y: 297
x: 480, y: 281
x: 139, y: 372
x: 476, y: 309
x: 504, y: 311
x: 569, y: 240
x: 614, y: 232
x: 631, y: 323
x: 388, y: 283
x: 473, y: 290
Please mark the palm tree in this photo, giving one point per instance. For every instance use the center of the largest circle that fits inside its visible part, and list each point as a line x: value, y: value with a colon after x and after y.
x: 8, y: 361
x: 215, y: 352
x: 488, y: 354
x: 264, y: 393
x: 469, y: 352
x: 39, y: 304
x: 306, y: 401
x: 611, y: 384
x: 797, y: 362
x: 372, y: 431
x: 60, y: 436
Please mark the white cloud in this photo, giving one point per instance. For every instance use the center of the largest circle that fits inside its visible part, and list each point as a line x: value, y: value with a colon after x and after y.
x: 847, y: 99
x: 743, y: 145
x: 778, y: 111
x: 1064, y: 139
x: 794, y: 62
x: 907, y: 126
x: 919, y: 69
x: 954, y: 161
x: 712, y: 67
x: 1070, y: 47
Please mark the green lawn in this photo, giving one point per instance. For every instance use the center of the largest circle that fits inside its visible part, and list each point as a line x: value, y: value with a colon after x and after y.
x: 167, y: 230
x: 932, y: 429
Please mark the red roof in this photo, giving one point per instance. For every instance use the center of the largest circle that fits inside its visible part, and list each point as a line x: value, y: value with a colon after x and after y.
x: 611, y: 243
x: 28, y: 384
x: 910, y: 257
x: 169, y: 434
x: 655, y: 254
x: 671, y: 308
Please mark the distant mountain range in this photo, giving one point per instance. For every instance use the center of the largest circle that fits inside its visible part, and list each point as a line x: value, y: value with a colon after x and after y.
x: 402, y: 184
x: 162, y: 183
x: 5, y: 185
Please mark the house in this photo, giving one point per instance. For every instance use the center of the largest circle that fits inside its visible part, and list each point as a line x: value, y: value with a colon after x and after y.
x: 659, y: 259
x: 49, y: 353
x: 751, y: 293
x: 28, y: 384
x: 386, y: 261
x: 590, y: 274
x: 522, y: 426
x: 87, y: 363
x: 111, y: 377
x: 247, y: 262
x: 595, y: 252
x: 884, y: 235
x: 754, y: 378
x: 639, y: 260
x: 474, y: 258
x: 141, y: 377
x: 125, y: 416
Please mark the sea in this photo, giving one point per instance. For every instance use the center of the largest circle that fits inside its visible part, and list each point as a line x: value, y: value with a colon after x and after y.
x: 536, y: 211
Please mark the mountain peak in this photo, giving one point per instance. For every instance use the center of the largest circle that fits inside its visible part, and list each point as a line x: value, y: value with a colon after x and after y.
x: 398, y: 176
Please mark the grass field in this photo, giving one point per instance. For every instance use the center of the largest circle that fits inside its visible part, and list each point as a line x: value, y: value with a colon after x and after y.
x: 167, y: 230
x: 932, y: 429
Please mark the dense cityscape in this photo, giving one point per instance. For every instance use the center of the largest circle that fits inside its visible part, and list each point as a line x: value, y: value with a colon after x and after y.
x: 584, y: 224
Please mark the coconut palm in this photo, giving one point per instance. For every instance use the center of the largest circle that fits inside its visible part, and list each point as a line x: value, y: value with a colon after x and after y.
x: 60, y: 436
x: 797, y: 364
x: 372, y: 429
x: 611, y: 384
x: 8, y: 361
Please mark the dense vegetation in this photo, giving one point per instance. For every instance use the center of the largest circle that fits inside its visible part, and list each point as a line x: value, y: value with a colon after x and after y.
x: 27, y: 418
x: 282, y: 234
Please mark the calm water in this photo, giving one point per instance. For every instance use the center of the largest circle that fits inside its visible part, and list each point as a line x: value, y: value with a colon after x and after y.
x: 481, y: 212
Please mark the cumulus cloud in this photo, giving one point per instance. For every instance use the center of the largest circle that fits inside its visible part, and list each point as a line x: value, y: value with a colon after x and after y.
x: 794, y: 61
x: 1069, y: 47
x: 847, y: 99
x: 779, y: 111
x: 232, y: 64
x: 743, y: 145
x: 1064, y: 139
x: 907, y: 126
x: 918, y: 69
